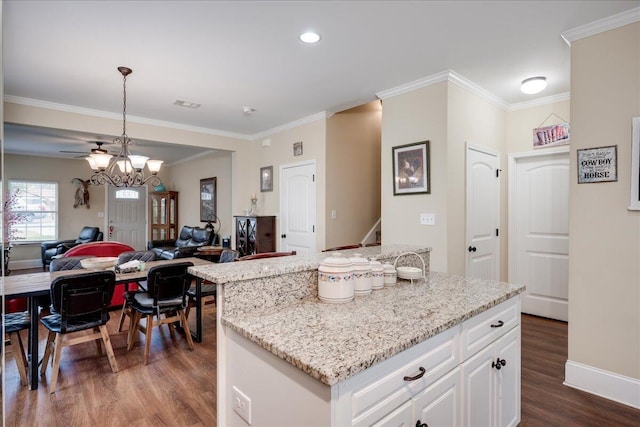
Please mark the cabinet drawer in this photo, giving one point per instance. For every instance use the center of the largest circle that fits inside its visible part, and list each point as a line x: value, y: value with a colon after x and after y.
x: 376, y: 396
x: 483, y: 329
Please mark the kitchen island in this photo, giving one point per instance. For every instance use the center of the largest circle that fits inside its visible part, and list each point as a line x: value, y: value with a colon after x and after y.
x: 303, y: 362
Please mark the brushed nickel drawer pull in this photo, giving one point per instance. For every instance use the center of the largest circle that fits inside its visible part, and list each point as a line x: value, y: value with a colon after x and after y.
x: 417, y: 377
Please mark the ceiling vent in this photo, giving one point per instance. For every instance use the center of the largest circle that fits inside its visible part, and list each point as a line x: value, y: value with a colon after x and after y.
x: 186, y: 104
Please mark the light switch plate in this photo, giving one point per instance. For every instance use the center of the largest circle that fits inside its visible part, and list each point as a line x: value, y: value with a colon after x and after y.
x: 428, y: 219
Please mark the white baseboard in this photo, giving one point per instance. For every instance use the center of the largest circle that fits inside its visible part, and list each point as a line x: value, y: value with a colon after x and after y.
x: 24, y: 264
x: 612, y: 386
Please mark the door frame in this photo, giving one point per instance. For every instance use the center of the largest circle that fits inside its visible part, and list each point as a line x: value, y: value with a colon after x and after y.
x: 311, y: 162
x: 146, y: 212
x: 489, y: 151
x: 511, y: 203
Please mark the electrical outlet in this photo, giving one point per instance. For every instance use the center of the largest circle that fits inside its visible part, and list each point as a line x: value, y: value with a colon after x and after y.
x: 242, y: 404
x: 428, y: 219
x: 334, y: 214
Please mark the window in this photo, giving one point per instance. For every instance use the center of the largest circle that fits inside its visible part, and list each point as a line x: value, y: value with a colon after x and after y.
x: 33, y: 211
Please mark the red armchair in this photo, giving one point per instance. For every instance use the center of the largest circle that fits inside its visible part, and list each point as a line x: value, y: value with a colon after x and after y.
x: 103, y: 249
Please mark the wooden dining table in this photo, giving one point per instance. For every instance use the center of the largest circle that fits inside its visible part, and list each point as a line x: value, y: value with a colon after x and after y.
x: 34, y: 285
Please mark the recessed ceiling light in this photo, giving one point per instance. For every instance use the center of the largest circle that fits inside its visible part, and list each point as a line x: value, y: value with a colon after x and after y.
x: 185, y: 104
x: 533, y: 85
x: 310, y: 37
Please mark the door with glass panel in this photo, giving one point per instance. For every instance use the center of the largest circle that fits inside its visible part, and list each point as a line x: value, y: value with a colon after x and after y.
x: 127, y: 216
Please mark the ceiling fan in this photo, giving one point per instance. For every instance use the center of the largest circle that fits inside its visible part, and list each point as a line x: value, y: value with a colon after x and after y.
x: 96, y: 150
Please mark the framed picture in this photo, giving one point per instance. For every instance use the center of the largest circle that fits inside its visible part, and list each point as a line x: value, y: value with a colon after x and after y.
x: 266, y: 178
x: 598, y: 165
x: 208, y: 199
x: 634, y: 205
x: 551, y: 136
x: 297, y: 148
x: 411, y: 168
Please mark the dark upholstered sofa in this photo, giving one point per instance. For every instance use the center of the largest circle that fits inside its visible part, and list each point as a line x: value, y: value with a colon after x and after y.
x: 58, y: 247
x: 186, y: 245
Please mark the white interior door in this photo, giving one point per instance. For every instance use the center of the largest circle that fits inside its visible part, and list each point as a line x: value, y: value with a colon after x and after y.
x: 127, y: 216
x: 298, y: 208
x: 483, y: 213
x: 539, y: 230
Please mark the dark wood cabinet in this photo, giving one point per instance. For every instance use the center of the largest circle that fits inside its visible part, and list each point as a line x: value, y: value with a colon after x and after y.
x: 255, y: 234
x: 163, y: 215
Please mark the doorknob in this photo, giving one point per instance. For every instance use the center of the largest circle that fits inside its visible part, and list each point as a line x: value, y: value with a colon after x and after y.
x: 283, y: 236
x: 472, y: 248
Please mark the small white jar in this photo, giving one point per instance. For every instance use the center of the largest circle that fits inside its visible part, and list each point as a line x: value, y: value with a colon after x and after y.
x: 390, y: 274
x: 377, y: 274
x: 335, y: 279
x: 361, y: 274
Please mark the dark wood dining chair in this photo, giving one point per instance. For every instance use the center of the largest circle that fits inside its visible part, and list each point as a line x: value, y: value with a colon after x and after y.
x: 143, y: 256
x: 208, y: 289
x: 14, y: 323
x: 264, y: 255
x: 166, y: 295
x: 79, y: 303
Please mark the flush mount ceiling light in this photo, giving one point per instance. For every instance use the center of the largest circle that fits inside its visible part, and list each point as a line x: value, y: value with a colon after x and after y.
x: 310, y: 37
x: 533, y: 85
x: 186, y: 104
x: 130, y: 173
x: 248, y: 110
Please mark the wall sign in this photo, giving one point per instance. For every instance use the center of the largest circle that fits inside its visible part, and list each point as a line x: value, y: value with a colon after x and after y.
x: 598, y: 165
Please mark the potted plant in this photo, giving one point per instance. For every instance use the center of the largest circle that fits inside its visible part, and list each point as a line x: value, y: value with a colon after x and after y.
x: 10, y: 216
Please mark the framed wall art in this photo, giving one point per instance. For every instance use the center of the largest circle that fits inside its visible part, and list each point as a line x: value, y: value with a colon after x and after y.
x: 266, y: 178
x: 635, y: 164
x: 207, y: 199
x: 598, y: 164
x: 411, y: 169
x: 297, y: 148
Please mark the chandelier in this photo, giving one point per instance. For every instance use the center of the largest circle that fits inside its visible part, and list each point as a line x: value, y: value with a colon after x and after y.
x: 124, y: 169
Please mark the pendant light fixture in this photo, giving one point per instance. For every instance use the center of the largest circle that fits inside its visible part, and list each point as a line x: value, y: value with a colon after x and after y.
x: 124, y: 169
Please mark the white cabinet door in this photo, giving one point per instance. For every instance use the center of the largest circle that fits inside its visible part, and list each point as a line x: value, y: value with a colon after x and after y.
x: 440, y: 404
x: 492, y: 394
x: 508, y: 378
x: 479, y: 389
x: 401, y: 417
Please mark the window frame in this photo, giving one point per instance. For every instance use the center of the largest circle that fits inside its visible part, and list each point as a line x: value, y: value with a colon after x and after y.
x: 54, y: 210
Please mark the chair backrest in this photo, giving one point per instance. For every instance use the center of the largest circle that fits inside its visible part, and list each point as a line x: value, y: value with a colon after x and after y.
x: 342, y: 248
x: 88, y: 234
x: 67, y: 263
x: 228, y: 255
x: 168, y: 282
x: 144, y: 256
x: 99, y: 249
x: 82, y: 300
x: 265, y: 255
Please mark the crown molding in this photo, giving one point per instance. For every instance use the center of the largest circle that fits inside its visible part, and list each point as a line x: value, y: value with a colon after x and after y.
x: 107, y: 115
x: 303, y: 121
x: 540, y: 101
x: 416, y: 84
x: 464, y: 83
x: 601, y: 25
x: 450, y: 76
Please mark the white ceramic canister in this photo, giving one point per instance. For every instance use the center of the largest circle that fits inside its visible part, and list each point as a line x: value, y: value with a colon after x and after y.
x: 377, y: 274
x: 390, y: 274
x: 362, y: 275
x: 335, y: 279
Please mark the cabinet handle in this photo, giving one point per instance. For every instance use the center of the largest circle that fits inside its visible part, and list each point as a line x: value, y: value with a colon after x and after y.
x: 419, y: 424
x: 498, y: 364
x: 417, y: 377
x: 472, y: 249
x: 500, y: 324
x: 283, y: 236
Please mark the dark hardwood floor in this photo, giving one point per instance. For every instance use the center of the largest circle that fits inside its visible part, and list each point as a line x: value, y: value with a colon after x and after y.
x: 545, y: 400
x: 178, y: 386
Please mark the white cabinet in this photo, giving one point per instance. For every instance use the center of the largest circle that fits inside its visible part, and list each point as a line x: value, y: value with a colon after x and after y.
x: 491, y: 383
x: 440, y: 404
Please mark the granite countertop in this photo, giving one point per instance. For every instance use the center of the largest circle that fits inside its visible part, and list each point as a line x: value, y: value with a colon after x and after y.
x: 332, y: 342
x: 234, y: 271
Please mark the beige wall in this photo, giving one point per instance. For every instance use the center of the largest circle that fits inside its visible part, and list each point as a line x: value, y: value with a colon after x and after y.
x: 470, y: 119
x: 185, y: 178
x: 416, y: 116
x: 604, y: 277
x: 279, y: 153
x: 353, y: 174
